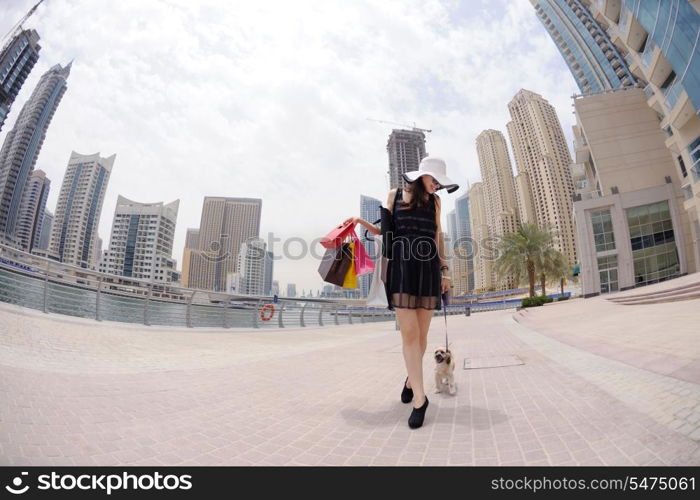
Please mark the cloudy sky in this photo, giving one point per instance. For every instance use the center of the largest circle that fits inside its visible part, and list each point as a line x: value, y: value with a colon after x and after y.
x: 270, y: 99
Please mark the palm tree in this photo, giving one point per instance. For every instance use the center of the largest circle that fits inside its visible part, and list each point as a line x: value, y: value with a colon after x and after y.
x: 552, y: 265
x: 520, y: 252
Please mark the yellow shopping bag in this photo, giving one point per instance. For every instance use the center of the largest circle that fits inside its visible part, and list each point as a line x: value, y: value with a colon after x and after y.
x: 350, y: 280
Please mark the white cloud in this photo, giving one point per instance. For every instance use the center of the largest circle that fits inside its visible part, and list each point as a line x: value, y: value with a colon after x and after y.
x: 270, y: 99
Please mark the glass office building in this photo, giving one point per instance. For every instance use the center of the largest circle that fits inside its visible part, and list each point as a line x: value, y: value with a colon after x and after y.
x: 23, y: 143
x: 674, y: 27
x: 17, y: 58
x: 594, y: 61
x: 464, y: 234
x: 653, y: 244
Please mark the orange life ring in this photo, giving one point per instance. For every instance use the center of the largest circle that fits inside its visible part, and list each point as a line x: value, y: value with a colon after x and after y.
x: 263, y: 312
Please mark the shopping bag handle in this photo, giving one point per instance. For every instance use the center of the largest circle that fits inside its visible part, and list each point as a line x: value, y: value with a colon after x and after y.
x: 367, y: 237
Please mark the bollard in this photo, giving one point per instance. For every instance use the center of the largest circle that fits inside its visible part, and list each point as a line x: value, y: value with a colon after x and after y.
x: 46, y: 287
x: 301, y: 317
x: 255, y: 314
x: 188, y: 318
x: 97, y: 299
x: 146, y: 318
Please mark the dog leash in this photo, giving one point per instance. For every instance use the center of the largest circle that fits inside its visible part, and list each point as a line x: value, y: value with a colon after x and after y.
x: 444, y: 310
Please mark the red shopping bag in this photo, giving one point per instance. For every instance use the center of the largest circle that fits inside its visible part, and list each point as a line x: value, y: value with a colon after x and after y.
x: 336, y: 236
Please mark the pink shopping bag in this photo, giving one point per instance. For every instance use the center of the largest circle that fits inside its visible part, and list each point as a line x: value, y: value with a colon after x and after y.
x: 363, y: 263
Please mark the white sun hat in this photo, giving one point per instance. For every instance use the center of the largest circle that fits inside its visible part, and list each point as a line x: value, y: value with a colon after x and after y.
x: 436, y: 167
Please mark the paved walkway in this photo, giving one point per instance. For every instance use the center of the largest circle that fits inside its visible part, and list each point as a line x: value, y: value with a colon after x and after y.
x: 662, y: 338
x: 79, y: 392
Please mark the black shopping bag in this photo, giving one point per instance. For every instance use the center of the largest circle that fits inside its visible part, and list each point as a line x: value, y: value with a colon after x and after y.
x: 335, y: 264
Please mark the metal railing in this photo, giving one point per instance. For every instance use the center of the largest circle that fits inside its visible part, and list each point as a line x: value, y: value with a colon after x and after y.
x: 53, y: 287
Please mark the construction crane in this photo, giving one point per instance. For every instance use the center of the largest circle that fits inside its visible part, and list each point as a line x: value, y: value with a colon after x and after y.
x: 17, y: 27
x: 412, y: 127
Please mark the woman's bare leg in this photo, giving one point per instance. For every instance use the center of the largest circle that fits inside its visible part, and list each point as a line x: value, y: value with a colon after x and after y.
x: 424, y: 318
x: 412, y: 353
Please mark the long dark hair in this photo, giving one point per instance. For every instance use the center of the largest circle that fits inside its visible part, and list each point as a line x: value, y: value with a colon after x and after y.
x: 418, y: 193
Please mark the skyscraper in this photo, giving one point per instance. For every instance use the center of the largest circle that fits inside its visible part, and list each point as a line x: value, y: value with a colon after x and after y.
x: 499, y: 191
x: 17, y: 59
x: 226, y: 223
x: 450, y: 241
x: 497, y: 177
x: 545, y: 187
x: 250, y: 277
x: 141, y: 243
x: 484, y: 279
x: 31, y: 210
x: 369, y: 211
x: 45, y: 233
x: 464, y: 255
x: 23, y: 143
x: 98, y: 254
x: 269, y: 268
x: 406, y: 149
x: 192, y: 238
x: 595, y: 63
x: 79, y: 207
x: 452, y: 225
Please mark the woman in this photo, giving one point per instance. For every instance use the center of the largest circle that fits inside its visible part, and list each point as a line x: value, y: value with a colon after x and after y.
x: 417, y: 274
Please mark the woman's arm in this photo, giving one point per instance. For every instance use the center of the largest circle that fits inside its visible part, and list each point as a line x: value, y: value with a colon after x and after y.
x: 359, y: 220
x: 371, y: 227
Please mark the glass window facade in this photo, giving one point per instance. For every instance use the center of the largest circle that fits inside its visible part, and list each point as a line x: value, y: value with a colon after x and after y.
x: 570, y: 23
x: 681, y: 165
x: 131, y: 245
x: 603, y: 230
x: 653, y: 243
x: 607, y: 269
x: 694, y: 153
x: 464, y: 233
x: 673, y: 25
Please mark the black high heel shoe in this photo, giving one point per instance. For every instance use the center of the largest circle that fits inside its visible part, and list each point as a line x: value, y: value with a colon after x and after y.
x: 406, y: 393
x: 417, y: 415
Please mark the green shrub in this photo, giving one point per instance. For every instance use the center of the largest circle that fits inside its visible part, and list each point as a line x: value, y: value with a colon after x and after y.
x: 537, y: 300
x: 531, y: 302
x: 563, y: 298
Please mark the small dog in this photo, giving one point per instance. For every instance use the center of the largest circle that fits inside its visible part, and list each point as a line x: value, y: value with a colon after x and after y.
x: 444, y: 371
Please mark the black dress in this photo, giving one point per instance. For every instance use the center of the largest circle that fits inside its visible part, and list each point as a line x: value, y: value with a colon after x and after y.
x: 413, y: 273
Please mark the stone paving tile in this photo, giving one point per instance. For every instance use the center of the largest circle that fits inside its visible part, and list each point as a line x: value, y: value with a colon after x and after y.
x: 667, y: 400
x: 661, y: 338
x: 79, y: 392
